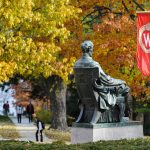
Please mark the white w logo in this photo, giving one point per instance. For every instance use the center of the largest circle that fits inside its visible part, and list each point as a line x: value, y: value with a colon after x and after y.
x: 147, y: 39
x: 145, y: 45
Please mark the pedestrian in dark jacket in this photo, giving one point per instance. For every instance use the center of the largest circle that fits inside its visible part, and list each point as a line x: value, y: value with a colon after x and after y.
x: 40, y: 127
x: 30, y: 111
x: 6, y: 108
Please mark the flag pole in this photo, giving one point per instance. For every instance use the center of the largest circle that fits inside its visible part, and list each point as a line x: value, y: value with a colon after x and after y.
x: 142, y: 12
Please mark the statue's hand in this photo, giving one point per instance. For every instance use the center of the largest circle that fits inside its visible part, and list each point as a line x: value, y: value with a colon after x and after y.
x: 116, y: 89
x: 119, y: 89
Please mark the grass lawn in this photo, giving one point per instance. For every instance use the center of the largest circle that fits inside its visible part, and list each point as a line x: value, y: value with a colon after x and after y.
x: 58, y: 135
x: 8, y: 131
x: 138, y: 144
x: 7, y: 128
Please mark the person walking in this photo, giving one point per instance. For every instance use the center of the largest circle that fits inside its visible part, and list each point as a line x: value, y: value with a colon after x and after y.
x: 19, y: 111
x: 6, y: 108
x: 30, y: 111
x: 40, y: 127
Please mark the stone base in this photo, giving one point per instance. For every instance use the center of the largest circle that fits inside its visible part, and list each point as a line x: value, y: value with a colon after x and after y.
x: 85, y: 132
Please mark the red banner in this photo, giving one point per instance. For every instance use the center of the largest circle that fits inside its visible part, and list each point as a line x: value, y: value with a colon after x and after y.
x: 143, y: 42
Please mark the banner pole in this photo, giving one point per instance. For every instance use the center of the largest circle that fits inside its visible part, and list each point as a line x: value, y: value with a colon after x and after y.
x: 142, y: 12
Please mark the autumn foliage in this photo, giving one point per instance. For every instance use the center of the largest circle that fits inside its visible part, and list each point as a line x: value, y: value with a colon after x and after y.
x: 33, y: 33
x: 111, y: 26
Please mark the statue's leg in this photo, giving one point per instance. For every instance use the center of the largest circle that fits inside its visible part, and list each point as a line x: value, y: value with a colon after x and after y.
x: 122, y: 110
x: 96, y: 115
x: 129, y: 102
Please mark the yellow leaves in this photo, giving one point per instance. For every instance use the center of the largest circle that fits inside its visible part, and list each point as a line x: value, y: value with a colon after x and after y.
x: 13, y: 12
x: 64, y: 60
x: 31, y: 31
x: 1, y: 51
x: 6, y: 70
x: 2, y: 38
x: 61, y: 68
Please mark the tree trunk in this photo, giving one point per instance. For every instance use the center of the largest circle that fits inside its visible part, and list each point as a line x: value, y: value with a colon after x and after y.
x: 58, y: 103
x: 54, y: 89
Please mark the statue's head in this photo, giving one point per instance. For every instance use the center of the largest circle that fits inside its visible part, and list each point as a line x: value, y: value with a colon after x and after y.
x: 87, y: 47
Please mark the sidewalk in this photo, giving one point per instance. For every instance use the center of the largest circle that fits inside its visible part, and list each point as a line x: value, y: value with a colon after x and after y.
x: 27, y: 130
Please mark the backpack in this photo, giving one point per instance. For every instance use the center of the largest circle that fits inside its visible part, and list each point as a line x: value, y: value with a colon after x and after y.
x: 43, y: 125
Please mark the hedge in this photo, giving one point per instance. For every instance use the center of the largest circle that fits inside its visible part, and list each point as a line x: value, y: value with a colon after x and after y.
x: 138, y: 144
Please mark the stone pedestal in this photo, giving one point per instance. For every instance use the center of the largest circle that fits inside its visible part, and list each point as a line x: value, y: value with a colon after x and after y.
x: 85, y: 132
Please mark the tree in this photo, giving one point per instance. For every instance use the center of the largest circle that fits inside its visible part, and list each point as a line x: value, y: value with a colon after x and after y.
x: 31, y: 31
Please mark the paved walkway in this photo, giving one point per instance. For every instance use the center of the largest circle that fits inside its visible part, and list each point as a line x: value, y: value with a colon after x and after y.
x: 27, y: 130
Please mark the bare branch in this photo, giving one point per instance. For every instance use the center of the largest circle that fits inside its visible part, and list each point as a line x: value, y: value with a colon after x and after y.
x: 135, y: 2
x: 126, y: 8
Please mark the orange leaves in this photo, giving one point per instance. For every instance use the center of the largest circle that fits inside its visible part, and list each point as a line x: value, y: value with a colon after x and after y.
x: 23, y: 90
x: 114, y: 38
x: 96, y: 27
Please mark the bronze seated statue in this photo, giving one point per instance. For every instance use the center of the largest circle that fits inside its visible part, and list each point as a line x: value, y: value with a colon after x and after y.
x: 103, y: 99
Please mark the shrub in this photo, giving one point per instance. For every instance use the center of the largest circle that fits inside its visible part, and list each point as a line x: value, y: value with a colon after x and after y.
x: 142, y: 110
x: 146, y: 129
x: 44, y: 115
